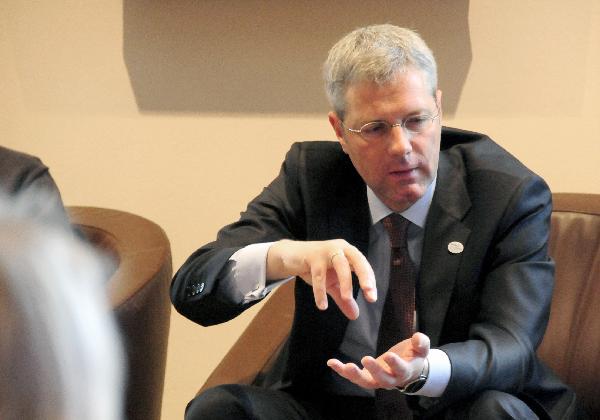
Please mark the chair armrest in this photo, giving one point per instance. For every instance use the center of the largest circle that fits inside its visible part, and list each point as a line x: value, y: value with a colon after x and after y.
x: 260, y: 342
x: 138, y: 293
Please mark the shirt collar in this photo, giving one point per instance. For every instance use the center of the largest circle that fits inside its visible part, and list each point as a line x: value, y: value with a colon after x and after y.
x: 417, y: 213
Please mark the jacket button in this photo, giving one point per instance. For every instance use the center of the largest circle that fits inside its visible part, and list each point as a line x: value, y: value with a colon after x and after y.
x: 199, y: 288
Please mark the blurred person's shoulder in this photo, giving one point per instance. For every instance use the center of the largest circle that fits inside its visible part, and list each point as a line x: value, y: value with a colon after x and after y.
x: 18, y: 169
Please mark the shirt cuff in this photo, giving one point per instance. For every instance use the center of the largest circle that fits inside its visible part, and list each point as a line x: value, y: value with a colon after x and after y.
x: 439, y: 374
x: 248, y: 273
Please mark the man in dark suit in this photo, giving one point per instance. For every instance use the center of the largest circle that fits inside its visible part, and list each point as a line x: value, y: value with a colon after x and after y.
x: 477, y: 236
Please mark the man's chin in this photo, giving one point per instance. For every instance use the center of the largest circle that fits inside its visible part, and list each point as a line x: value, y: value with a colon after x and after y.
x: 407, y: 198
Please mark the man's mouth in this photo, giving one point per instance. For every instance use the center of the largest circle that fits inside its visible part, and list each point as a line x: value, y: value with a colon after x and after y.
x: 403, y: 170
x: 404, y: 174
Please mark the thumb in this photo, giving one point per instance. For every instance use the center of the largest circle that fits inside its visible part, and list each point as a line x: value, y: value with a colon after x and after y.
x: 420, y: 344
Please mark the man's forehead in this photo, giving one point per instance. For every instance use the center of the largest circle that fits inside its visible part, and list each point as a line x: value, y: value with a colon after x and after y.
x: 407, y: 92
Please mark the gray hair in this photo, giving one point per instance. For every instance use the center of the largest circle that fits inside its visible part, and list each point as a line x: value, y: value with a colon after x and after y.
x: 60, y: 353
x: 375, y: 53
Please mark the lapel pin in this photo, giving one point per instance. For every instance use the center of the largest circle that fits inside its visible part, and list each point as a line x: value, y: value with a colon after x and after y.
x: 455, y: 247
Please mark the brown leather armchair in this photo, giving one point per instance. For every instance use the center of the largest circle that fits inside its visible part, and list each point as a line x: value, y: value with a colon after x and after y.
x: 571, y: 345
x: 138, y: 292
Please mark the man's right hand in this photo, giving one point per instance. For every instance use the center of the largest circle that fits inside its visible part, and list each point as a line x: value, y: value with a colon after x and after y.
x: 328, y: 267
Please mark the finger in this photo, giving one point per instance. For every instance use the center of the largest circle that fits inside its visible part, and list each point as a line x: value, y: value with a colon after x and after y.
x: 400, y: 369
x: 341, y: 289
x: 347, y: 370
x: 340, y: 264
x: 381, y: 373
x: 348, y: 307
x: 353, y: 373
x: 395, y: 362
x: 334, y: 364
x: 319, y: 283
x: 366, y: 277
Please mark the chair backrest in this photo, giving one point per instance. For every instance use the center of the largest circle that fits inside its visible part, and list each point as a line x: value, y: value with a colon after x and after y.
x: 138, y: 291
x: 571, y: 345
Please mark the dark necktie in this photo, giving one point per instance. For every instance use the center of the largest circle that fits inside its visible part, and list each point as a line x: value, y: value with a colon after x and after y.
x: 397, y: 319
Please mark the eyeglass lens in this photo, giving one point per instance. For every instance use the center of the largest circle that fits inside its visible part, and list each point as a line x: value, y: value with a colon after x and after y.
x: 379, y: 129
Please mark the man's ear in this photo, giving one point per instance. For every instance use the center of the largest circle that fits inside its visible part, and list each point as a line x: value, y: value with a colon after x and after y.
x: 438, y: 101
x: 336, y: 124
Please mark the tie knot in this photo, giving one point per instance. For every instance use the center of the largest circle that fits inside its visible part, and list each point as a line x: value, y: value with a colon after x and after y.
x: 396, y: 227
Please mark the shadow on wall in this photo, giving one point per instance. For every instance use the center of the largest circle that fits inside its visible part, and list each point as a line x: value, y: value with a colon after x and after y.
x: 256, y: 56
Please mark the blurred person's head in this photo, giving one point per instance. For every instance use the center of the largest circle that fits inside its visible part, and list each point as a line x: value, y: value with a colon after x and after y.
x: 60, y: 355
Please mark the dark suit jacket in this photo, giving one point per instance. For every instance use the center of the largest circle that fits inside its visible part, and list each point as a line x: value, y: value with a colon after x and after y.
x: 486, y: 307
x: 20, y: 173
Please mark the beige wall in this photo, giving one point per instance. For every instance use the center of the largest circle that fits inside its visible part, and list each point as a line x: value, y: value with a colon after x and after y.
x: 182, y: 111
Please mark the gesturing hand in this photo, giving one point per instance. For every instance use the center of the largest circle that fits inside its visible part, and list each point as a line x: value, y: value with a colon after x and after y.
x: 398, y: 366
x: 328, y: 267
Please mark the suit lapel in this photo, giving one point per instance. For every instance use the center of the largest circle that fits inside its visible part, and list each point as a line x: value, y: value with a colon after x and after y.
x: 438, y: 264
x: 350, y: 217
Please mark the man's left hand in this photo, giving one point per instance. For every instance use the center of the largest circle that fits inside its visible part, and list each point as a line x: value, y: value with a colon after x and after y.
x: 397, y: 367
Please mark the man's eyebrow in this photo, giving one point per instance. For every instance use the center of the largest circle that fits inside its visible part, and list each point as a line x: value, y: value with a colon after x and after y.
x: 414, y: 113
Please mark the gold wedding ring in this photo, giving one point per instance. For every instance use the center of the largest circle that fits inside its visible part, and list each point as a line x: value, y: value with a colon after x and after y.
x: 335, y: 255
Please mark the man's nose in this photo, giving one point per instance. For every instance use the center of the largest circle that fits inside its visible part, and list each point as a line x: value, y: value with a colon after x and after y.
x: 400, y: 141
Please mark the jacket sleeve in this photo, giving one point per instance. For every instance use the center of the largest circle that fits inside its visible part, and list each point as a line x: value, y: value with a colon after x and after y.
x: 275, y: 214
